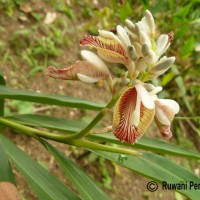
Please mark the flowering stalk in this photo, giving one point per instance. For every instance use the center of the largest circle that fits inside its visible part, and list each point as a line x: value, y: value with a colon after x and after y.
x: 101, y: 114
x: 35, y: 133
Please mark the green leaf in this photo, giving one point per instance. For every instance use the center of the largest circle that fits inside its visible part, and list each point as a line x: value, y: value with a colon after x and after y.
x: 24, y: 95
x: 2, y: 82
x: 83, y: 183
x: 157, y: 168
x: 182, y: 88
x: 65, y: 125
x: 53, y: 123
x: 188, y: 47
x: 167, y: 78
x: 149, y: 144
x: 6, y: 173
x: 41, y: 181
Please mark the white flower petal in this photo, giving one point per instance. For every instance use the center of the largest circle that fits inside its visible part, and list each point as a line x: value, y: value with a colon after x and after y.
x: 161, y: 44
x: 165, y: 112
x: 145, y: 97
x: 88, y: 79
x: 162, y: 117
x: 93, y: 58
x: 171, y: 104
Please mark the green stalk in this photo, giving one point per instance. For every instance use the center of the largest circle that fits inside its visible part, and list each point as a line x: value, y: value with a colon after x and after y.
x: 101, y: 147
x: 63, y: 138
x: 101, y: 114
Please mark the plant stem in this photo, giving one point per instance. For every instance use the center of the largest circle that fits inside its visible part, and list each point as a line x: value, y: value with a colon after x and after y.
x: 89, y: 127
x: 63, y: 138
x: 97, y: 146
x: 28, y: 130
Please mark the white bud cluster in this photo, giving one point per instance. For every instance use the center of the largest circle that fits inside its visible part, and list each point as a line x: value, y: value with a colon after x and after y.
x: 141, y: 47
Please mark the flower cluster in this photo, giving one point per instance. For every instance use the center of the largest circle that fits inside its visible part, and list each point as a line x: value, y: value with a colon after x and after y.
x: 135, y: 47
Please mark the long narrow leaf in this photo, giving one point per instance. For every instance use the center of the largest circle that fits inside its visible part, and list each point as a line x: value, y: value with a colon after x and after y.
x: 83, y: 183
x: 160, y: 169
x: 182, y: 89
x: 42, y: 182
x: 6, y: 173
x: 53, y: 123
x: 64, y: 125
x: 150, y: 144
x: 2, y: 82
x: 24, y: 95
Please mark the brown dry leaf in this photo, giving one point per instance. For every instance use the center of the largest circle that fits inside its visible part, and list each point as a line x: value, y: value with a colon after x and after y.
x: 8, y: 191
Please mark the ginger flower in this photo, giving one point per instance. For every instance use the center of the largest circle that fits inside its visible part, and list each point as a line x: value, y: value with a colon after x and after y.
x: 136, y: 109
x: 137, y: 48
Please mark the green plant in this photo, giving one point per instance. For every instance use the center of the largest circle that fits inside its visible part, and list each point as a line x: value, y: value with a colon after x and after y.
x: 149, y: 164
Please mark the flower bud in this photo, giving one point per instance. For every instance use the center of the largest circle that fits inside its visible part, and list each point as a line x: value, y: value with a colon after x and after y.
x: 144, y: 38
x: 138, y: 48
x: 162, y: 44
x: 164, y: 64
x: 123, y: 36
x: 138, y: 29
x: 129, y: 24
x: 150, y: 21
x: 151, y: 57
x: 141, y: 64
x: 145, y: 49
x: 132, y: 52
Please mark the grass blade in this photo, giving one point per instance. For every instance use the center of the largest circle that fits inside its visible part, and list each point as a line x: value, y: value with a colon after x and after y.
x: 25, y: 95
x: 83, y: 183
x: 41, y: 181
x: 6, y: 173
x: 158, y: 168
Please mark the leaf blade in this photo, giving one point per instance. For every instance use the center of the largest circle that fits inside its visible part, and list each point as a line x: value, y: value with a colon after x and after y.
x: 42, y: 182
x: 67, y: 101
x: 6, y: 173
x: 84, y: 184
x: 2, y: 82
x: 157, y: 168
x: 150, y: 144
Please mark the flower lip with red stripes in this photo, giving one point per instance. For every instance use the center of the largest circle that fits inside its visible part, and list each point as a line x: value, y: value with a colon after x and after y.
x: 137, y: 107
x: 90, y: 71
x: 133, y: 114
x: 109, y: 49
